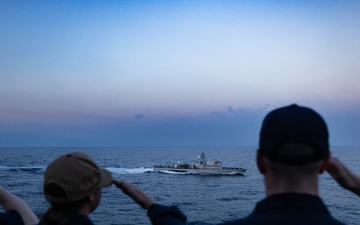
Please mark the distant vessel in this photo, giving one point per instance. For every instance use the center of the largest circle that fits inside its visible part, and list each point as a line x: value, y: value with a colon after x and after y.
x: 202, y: 167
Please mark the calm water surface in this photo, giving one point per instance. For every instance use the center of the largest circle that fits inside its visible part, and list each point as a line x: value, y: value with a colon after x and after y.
x: 204, y: 199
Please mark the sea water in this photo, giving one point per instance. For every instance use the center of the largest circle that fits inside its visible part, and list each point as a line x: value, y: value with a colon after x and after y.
x: 204, y: 199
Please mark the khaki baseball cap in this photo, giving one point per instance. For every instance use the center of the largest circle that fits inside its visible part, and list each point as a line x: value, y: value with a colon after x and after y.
x: 74, y: 176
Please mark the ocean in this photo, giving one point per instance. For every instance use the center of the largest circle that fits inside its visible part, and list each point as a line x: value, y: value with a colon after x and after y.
x: 205, y: 199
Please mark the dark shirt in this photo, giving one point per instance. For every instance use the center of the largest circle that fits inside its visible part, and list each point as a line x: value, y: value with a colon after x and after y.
x: 291, y: 208
x: 11, y: 218
x: 76, y: 219
x: 158, y: 214
x: 161, y: 215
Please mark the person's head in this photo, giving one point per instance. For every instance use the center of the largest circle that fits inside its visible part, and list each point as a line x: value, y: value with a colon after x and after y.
x: 293, y: 142
x: 72, y: 184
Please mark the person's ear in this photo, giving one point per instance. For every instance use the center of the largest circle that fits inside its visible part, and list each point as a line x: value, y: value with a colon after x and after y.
x: 325, y: 162
x: 92, y: 196
x: 260, y: 162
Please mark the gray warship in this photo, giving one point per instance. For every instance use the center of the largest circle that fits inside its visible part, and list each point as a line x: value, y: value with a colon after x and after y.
x: 202, y: 167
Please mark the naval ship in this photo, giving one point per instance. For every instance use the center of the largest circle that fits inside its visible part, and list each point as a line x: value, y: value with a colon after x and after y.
x: 202, y: 167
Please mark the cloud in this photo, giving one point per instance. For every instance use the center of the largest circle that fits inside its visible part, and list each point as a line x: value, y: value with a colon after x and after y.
x: 230, y: 109
x: 230, y: 127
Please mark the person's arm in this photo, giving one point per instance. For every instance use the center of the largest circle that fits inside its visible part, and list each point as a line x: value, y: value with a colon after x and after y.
x: 135, y: 193
x: 158, y: 214
x: 11, y: 202
x: 345, y: 177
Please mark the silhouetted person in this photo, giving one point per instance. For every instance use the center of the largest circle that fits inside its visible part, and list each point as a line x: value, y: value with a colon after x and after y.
x: 72, y: 185
x: 293, y: 151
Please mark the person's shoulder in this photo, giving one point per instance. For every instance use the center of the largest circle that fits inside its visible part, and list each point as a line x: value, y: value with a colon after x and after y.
x: 336, y: 222
x: 235, y: 222
x: 160, y: 214
x: 11, y: 218
x: 256, y: 220
x: 78, y: 219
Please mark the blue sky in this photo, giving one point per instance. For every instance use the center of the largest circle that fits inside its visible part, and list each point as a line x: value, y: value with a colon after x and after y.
x: 150, y: 73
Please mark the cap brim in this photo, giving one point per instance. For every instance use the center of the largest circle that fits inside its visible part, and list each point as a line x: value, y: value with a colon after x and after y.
x: 106, y: 178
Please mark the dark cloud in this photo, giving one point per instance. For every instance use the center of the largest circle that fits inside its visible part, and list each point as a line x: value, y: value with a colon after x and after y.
x: 139, y: 116
x: 230, y: 109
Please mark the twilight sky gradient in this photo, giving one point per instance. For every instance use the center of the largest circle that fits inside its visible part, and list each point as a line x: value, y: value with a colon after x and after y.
x: 151, y: 73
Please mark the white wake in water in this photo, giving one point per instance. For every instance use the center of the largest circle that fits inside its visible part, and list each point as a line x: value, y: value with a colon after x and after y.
x: 22, y: 168
x: 111, y: 169
x: 129, y: 170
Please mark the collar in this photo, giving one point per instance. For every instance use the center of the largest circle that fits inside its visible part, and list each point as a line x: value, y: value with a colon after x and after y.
x: 79, y: 219
x: 291, y: 202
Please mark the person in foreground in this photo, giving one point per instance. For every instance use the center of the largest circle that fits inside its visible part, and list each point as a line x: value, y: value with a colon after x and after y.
x: 72, y: 185
x: 16, y: 211
x: 293, y: 151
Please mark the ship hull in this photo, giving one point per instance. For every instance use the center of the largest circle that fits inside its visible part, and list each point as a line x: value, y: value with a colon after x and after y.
x: 223, y: 171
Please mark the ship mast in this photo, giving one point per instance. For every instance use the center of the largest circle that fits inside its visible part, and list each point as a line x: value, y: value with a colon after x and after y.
x: 202, y: 161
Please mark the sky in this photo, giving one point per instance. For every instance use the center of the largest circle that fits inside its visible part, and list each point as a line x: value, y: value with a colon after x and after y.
x: 174, y: 73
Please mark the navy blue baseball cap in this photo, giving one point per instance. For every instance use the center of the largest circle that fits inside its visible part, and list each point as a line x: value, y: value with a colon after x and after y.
x: 293, y: 124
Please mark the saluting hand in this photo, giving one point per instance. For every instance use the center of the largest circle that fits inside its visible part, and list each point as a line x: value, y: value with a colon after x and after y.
x: 135, y: 193
x: 344, y: 176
